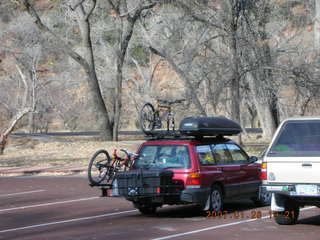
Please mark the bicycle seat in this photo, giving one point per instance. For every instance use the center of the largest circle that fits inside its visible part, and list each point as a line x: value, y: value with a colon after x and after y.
x: 163, y: 101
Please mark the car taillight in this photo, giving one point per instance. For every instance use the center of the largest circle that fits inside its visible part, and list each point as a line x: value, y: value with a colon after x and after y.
x: 193, y: 180
x: 263, y: 173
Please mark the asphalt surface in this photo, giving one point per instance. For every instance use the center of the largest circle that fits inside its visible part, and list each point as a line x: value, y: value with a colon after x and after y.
x: 66, y: 207
x: 94, y: 133
x: 25, y: 170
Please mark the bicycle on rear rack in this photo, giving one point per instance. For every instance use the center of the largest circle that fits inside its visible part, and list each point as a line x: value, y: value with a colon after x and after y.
x: 152, y: 117
x: 102, y: 168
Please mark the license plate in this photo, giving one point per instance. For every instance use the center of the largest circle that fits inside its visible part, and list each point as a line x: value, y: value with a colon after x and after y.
x: 307, y: 189
x: 274, y: 188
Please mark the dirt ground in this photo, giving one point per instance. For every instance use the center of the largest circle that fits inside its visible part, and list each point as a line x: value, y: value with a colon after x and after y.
x: 65, y: 152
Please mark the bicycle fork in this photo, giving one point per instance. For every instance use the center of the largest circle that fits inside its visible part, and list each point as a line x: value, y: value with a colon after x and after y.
x: 170, y: 122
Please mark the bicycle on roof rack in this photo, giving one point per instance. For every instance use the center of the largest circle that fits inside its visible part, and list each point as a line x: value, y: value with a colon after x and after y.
x: 102, y: 168
x: 152, y: 118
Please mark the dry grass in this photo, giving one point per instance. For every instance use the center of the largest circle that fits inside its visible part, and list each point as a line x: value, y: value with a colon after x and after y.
x: 69, y: 152
x: 57, y: 152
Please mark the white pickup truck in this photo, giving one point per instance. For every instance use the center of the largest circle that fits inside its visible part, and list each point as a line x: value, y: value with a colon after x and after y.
x: 291, y: 168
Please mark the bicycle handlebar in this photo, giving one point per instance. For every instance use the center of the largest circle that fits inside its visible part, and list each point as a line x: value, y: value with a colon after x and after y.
x: 129, y: 154
x: 165, y: 101
x: 179, y: 100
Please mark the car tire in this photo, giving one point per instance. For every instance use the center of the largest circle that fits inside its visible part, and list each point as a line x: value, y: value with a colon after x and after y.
x: 289, y: 216
x: 147, y: 210
x: 264, y: 199
x: 215, y: 199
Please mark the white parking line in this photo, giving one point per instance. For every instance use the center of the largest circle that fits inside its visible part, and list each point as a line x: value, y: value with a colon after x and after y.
x: 66, y: 221
x: 216, y: 227
x: 47, y: 204
x: 21, y: 193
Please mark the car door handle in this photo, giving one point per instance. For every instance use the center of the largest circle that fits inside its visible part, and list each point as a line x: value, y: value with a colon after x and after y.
x: 306, y: 164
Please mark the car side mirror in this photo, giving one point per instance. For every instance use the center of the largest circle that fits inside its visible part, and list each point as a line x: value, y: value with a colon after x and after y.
x: 253, y: 159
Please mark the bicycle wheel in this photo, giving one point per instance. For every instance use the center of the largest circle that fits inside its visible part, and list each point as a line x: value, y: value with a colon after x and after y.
x: 147, y: 118
x: 99, y: 167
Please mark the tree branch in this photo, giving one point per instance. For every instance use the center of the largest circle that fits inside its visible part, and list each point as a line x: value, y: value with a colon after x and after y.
x: 113, y: 6
x: 32, y: 12
x: 198, y: 18
x: 91, y: 10
x: 77, y: 5
x: 26, y: 90
x: 142, y: 8
x: 129, y: 11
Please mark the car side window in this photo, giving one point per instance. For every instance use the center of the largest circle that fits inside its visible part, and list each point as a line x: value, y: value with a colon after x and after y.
x: 205, y: 155
x: 238, y: 156
x: 221, y: 154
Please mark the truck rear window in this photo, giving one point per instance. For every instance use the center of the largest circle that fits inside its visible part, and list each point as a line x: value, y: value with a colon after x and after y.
x: 163, y: 156
x: 297, y: 138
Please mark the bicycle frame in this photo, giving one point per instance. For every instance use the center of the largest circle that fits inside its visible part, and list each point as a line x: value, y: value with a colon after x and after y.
x: 118, y: 162
x: 163, y: 112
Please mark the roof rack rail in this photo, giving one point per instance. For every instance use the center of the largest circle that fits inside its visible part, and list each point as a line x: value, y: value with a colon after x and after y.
x: 159, y: 134
x: 199, y: 127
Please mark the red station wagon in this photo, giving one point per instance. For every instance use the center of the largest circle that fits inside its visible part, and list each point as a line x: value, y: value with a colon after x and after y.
x: 201, y: 170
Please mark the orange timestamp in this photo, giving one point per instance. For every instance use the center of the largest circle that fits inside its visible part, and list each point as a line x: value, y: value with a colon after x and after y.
x: 253, y: 214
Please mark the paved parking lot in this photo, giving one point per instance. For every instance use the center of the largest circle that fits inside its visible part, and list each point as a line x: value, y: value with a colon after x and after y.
x: 67, y: 208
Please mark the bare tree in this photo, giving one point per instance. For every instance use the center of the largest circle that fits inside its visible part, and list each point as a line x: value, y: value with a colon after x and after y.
x: 127, y: 15
x: 86, y: 61
x: 268, y: 63
x: 25, y: 107
x: 258, y: 62
x: 174, y: 43
x: 224, y: 20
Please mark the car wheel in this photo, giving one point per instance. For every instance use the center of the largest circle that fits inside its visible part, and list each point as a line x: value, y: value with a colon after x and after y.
x: 215, y: 199
x: 264, y: 199
x: 289, y: 216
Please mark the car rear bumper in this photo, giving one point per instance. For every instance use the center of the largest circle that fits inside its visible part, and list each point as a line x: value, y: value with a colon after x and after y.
x: 285, y: 191
x: 282, y: 193
x: 293, y: 190
x: 195, y: 195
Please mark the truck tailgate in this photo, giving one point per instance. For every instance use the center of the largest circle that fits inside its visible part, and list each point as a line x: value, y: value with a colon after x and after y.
x: 293, y: 169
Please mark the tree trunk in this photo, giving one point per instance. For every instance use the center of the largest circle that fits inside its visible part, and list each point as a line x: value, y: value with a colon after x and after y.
x: 213, y: 99
x: 99, y: 109
x: 316, y: 27
x: 31, y: 123
x: 235, y: 81
x: 118, y: 102
x: 264, y: 108
x: 127, y: 22
x: 125, y: 34
x: 4, y: 136
x: 3, y: 143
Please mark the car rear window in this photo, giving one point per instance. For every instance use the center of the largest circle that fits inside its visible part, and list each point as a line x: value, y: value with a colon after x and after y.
x: 163, y: 156
x: 297, y: 138
x: 205, y: 155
